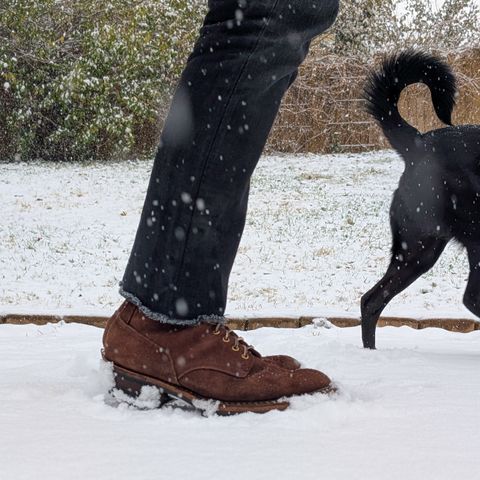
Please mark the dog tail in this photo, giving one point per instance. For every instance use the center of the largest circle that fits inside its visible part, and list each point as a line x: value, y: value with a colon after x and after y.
x: 384, y: 86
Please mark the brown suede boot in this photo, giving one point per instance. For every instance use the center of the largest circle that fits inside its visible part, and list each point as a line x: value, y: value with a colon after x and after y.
x: 201, y: 362
x: 284, y: 361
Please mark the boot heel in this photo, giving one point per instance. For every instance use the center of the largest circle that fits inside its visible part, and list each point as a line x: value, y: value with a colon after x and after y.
x: 132, y: 387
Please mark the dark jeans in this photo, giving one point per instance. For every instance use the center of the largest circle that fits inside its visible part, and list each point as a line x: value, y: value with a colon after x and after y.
x: 246, y: 57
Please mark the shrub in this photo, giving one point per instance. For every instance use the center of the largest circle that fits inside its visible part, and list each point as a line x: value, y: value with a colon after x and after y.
x: 365, y: 27
x: 82, y: 79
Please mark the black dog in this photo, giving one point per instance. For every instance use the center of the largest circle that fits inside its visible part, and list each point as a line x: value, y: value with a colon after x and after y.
x: 438, y: 196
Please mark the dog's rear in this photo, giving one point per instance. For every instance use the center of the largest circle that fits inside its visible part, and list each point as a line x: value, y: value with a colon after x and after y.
x: 384, y: 87
x: 438, y: 196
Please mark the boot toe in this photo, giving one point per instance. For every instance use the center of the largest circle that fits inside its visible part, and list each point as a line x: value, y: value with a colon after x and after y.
x: 310, y: 381
x: 284, y: 361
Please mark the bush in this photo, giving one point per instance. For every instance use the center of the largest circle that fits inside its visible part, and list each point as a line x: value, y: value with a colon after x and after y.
x: 82, y: 79
x: 365, y: 27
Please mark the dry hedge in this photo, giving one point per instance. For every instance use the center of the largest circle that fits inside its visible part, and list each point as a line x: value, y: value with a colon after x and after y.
x: 323, y: 112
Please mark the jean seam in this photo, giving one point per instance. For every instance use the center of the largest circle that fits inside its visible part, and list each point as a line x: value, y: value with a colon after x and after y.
x: 215, y: 137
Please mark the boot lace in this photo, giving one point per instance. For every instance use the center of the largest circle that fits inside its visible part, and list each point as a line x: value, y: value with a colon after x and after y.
x: 238, y: 342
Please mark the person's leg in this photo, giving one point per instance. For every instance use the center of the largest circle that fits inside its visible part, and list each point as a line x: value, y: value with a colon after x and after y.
x: 176, y: 280
x: 227, y: 99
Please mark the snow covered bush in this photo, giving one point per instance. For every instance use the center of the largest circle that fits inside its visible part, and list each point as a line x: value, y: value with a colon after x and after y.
x: 82, y: 79
x: 371, y: 26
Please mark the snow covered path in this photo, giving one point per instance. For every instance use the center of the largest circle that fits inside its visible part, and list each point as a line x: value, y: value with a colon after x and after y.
x: 407, y: 411
x: 317, y: 237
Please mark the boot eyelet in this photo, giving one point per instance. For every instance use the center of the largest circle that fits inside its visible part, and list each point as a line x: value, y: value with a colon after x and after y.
x: 216, y: 332
x: 245, y: 357
x: 226, y: 339
x: 235, y: 349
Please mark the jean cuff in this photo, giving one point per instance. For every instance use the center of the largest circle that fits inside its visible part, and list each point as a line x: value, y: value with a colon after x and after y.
x: 162, y: 318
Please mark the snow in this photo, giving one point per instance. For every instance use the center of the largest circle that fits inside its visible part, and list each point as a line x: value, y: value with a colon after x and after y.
x: 406, y: 411
x: 317, y: 237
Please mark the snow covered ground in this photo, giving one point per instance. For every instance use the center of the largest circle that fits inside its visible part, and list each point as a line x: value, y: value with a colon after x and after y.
x: 406, y: 411
x: 317, y: 237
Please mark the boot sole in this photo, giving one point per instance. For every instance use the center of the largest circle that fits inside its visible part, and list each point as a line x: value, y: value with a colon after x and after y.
x: 131, y: 384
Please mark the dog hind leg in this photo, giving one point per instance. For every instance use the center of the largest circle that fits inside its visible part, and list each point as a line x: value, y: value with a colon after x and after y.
x: 408, y: 262
x: 471, y: 298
